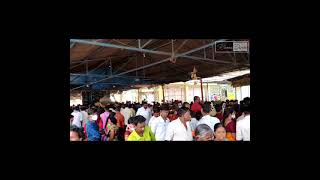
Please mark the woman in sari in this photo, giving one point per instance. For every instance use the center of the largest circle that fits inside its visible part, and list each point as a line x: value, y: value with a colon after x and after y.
x: 219, y: 132
x: 113, y: 129
x: 229, y: 124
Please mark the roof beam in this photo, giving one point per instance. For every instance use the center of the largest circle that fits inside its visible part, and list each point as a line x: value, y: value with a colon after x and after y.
x: 119, y: 47
x: 148, y: 65
x: 146, y: 43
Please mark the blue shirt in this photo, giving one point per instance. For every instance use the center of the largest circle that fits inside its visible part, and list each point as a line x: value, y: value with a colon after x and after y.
x: 93, y: 131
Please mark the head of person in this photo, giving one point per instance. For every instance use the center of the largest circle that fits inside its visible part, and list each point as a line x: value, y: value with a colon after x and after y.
x: 229, y: 113
x: 184, y: 114
x: 145, y: 104
x: 186, y: 104
x: 223, y: 105
x: 156, y: 111
x: 203, y: 133
x: 126, y: 105
x: 100, y: 111
x: 218, y: 107
x: 236, y: 107
x: 93, y: 115
x: 219, y: 132
x: 83, y: 108
x: 206, y: 108
x: 198, y: 115
x: 196, y: 99
x: 245, y: 106
x: 112, y: 118
x: 164, y: 111
x: 131, y: 126
x: 139, y: 123
x: 75, y: 133
x: 77, y: 108
x: 118, y: 108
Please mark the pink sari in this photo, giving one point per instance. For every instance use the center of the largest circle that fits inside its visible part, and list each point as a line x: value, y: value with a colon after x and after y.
x: 104, y: 117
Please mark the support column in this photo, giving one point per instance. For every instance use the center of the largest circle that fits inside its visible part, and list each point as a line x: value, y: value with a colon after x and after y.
x: 201, y: 89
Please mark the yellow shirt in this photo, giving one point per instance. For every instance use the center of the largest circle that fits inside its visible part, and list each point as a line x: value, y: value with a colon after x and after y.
x: 147, y: 135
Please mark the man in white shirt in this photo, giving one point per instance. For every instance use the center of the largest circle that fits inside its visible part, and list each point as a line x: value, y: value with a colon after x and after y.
x: 153, y: 120
x: 179, y: 129
x: 77, y: 117
x: 127, y: 113
x: 240, y: 117
x: 243, y: 125
x: 84, y: 116
x: 243, y: 129
x: 145, y: 112
x: 207, y: 119
x: 161, y: 123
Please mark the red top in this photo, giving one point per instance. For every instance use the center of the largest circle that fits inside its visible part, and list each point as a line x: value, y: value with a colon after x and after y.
x: 219, y: 116
x: 196, y: 107
x: 231, y: 127
x: 172, y: 117
x: 120, y: 120
x: 100, y: 123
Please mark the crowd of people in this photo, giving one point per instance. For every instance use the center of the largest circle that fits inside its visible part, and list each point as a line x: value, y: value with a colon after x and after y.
x: 168, y: 121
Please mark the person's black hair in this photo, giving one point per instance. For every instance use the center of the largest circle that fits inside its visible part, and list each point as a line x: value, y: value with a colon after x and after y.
x: 193, y: 114
x: 217, y: 125
x: 156, y: 109
x: 139, y: 119
x: 144, y: 102
x: 164, y: 107
x: 184, y: 104
x: 195, y: 98
x: 131, y: 120
x: 77, y: 108
x: 236, y: 107
x: 118, y: 108
x: 245, y: 105
x: 218, y: 107
x: 77, y: 130
x: 182, y: 111
x: 206, y: 107
x: 112, y: 117
x: 100, y: 110
x: 227, y: 112
x: 83, y: 108
x: 198, y: 115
